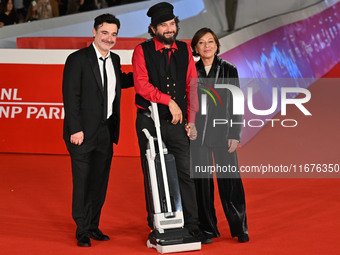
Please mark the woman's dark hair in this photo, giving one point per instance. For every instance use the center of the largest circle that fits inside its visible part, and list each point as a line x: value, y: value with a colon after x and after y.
x: 3, y: 6
x: 198, y: 35
x: 155, y: 27
x: 106, y: 18
x: 12, y: 15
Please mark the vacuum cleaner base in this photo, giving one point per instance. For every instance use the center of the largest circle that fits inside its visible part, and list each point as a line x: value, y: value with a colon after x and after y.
x: 173, y: 240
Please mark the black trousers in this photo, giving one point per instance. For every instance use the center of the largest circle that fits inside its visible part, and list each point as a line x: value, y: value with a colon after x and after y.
x: 177, y: 143
x: 90, y: 172
x: 230, y: 189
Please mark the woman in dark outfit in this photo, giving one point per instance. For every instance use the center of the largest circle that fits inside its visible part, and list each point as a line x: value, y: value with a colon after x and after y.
x: 217, y: 145
x: 8, y: 15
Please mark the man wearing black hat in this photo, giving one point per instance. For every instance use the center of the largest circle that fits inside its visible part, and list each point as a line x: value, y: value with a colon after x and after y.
x: 163, y: 68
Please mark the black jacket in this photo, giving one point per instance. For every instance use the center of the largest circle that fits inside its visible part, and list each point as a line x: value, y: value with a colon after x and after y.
x: 83, y: 95
x: 221, y: 72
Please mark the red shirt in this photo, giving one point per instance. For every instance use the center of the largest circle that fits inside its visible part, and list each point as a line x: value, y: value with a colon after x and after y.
x: 151, y: 93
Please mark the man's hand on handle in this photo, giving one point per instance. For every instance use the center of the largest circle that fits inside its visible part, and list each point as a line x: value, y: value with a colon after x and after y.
x: 176, y: 112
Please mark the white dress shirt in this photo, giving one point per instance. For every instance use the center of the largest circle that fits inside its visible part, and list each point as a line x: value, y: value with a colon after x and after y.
x: 111, y: 78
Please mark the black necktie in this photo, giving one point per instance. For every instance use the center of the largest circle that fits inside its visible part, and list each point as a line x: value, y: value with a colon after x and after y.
x: 105, y: 87
x: 166, y: 59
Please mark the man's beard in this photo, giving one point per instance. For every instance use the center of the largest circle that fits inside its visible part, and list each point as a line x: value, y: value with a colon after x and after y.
x: 165, y: 40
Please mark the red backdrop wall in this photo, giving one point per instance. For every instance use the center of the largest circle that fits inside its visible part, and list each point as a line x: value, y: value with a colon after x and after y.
x: 31, y: 111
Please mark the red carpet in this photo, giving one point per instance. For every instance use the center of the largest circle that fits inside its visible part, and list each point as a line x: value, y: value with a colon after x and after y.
x: 285, y: 216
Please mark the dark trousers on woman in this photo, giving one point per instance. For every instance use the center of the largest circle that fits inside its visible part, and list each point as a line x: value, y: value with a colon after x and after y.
x: 177, y: 143
x: 230, y: 189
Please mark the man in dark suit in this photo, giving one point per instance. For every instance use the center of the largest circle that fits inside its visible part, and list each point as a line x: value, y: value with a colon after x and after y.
x: 92, y: 85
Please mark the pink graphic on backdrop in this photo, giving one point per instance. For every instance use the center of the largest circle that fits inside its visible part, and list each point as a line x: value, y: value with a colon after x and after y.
x: 305, y: 49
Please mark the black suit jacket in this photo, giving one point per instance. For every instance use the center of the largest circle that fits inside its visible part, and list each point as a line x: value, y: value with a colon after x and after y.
x: 218, y: 135
x: 83, y: 95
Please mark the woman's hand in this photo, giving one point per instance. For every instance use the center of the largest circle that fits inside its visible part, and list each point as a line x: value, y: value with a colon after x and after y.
x: 232, y: 145
x: 191, y: 130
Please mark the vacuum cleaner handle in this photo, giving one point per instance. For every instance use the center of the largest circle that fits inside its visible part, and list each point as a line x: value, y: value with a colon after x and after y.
x: 155, y: 116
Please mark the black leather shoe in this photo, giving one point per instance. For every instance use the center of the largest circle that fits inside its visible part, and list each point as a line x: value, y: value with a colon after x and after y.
x: 210, y: 235
x: 200, y: 236
x: 84, y: 242
x: 243, y: 238
x: 98, y: 235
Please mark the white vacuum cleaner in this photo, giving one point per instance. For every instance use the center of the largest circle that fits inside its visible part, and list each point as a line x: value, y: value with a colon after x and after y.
x: 169, y: 234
